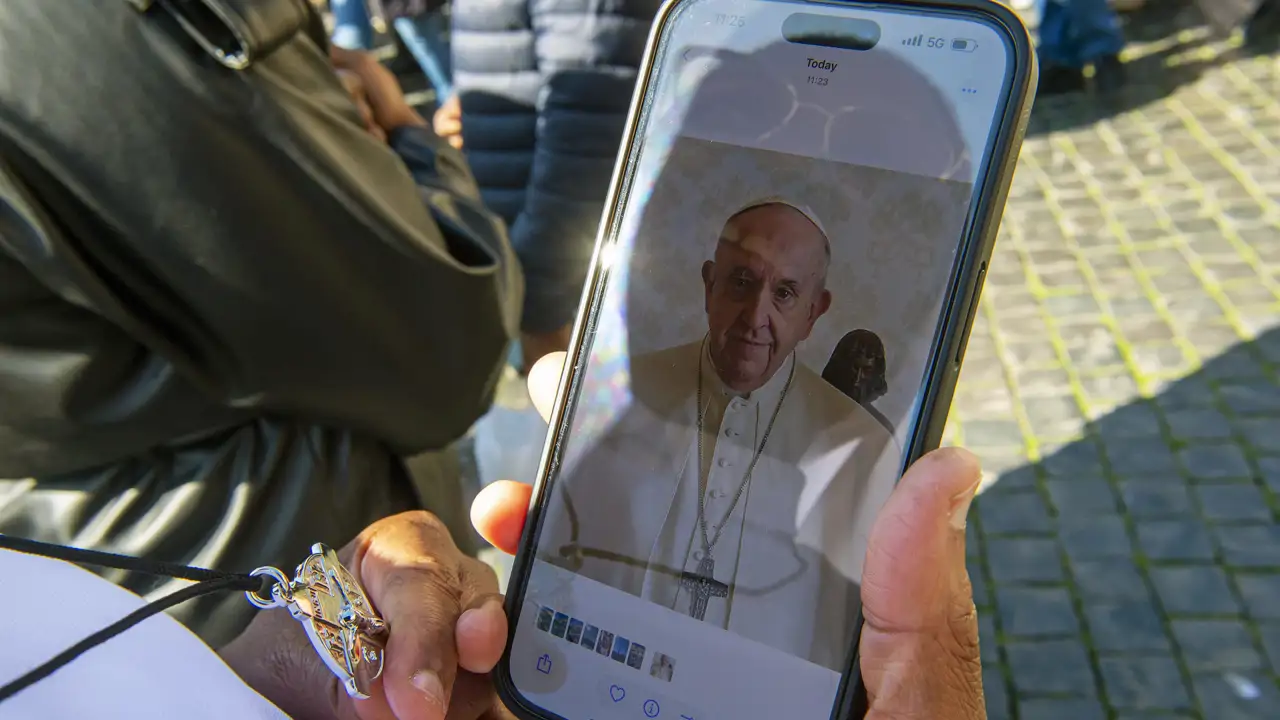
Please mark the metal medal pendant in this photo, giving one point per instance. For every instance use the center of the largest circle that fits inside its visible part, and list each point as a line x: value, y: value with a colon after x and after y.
x: 343, y: 627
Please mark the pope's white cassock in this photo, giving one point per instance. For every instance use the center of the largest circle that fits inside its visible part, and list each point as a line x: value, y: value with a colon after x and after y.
x: 625, y: 511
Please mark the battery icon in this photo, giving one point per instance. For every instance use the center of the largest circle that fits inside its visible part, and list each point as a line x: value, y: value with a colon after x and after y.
x: 964, y: 45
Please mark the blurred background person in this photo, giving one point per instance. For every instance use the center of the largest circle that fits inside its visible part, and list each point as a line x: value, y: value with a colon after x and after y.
x: 1075, y: 34
x: 543, y: 90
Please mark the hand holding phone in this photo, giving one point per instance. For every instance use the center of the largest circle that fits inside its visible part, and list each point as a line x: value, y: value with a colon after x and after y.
x: 919, y: 652
x: 786, y: 277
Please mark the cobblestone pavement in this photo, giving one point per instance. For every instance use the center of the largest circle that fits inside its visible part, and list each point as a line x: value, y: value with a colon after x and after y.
x: 1121, y: 385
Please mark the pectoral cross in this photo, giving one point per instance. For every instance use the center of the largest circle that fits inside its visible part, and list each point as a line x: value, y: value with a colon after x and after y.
x: 702, y: 586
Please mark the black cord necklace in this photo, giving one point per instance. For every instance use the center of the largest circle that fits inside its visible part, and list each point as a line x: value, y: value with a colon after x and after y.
x: 324, y: 596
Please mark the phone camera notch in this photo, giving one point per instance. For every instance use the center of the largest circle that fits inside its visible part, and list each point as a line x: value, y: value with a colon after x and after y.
x: 830, y: 32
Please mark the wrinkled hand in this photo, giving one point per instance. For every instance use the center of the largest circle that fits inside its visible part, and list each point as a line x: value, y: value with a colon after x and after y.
x: 448, y: 630
x: 447, y: 121
x: 380, y: 87
x: 919, y: 649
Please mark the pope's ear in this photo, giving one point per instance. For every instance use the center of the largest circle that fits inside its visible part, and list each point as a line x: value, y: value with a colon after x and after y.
x: 544, y: 381
x: 820, y: 307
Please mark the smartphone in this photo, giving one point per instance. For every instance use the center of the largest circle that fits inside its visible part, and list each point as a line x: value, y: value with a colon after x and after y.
x: 798, y: 231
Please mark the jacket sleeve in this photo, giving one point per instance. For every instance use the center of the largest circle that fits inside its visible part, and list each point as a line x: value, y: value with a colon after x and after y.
x: 588, y: 54
x: 244, y: 228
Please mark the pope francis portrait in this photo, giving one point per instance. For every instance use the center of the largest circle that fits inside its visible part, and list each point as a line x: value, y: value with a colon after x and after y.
x: 738, y: 487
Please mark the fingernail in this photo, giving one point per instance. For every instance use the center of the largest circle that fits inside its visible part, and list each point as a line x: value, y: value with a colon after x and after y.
x: 960, y: 506
x: 428, y: 683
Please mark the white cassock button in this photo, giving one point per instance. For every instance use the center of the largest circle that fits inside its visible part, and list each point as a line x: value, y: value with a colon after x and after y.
x: 724, y: 462
x: 697, y: 554
x: 729, y: 432
x: 717, y: 494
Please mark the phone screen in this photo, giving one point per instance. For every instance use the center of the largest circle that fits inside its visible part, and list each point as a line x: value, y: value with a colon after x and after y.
x: 792, y: 212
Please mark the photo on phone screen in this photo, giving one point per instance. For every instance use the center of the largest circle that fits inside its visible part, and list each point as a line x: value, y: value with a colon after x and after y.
x: 798, y: 197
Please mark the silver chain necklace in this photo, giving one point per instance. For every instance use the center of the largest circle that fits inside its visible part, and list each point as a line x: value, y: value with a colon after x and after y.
x: 703, y: 585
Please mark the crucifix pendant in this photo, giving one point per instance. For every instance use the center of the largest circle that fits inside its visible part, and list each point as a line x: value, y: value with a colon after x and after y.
x: 702, y: 586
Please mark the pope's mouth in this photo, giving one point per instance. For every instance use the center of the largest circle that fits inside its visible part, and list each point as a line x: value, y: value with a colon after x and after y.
x: 743, y: 345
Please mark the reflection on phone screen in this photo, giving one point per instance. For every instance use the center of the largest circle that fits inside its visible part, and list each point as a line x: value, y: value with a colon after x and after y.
x: 781, y: 264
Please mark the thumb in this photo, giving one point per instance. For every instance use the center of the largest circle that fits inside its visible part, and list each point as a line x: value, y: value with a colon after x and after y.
x: 919, y: 651
x: 918, y: 540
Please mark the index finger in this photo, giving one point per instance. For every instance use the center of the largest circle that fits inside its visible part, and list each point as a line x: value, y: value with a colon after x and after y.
x: 421, y: 583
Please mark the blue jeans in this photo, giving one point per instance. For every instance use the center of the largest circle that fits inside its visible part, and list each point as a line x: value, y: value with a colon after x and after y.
x: 424, y: 35
x: 352, y: 29
x: 1075, y: 33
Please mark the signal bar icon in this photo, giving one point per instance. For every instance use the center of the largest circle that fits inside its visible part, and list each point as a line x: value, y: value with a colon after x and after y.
x: 914, y: 41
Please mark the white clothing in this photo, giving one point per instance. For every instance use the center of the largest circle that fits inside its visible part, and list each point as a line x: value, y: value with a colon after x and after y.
x: 156, y: 670
x: 792, y: 547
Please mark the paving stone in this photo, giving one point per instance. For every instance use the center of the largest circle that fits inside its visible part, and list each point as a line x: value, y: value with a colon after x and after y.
x: 987, y: 638
x: 1156, y: 499
x: 1109, y: 385
x: 1057, y: 666
x: 1090, y: 537
x: 1261, y: 593
x: 1062, y: 709
x: 1251, y: 398
x: 1135, y: 420
x: 1053, y: 416
x: 1210, y: 340
x: 1082, y: 458
x: 1131, y: 458
x: 1036, y: 611
x: 997, y: 696
x: 1236, y: 366
x: 1261, y: 433
x: 981, y: 591
x: 1143, y: 683
x: 1160, y: 359
x: 1017, y: 560
x: 1075, y: 497
x: 1188, y: 393
x: 1013, y: 512
x: 1126, y: 627
x: 980, y: 434
x: 1241, y: 501
x: 1109, y: 579
x: 1270, y: 469
x: 1199, y: 424
x: 1216, y: 645
x: 1250, y: 545
x: 1175, y: 540
x: 974, y: 546
x: 1223, y: 697
x: 1215, y: 461
x: 1270, y: 634
x: 1194, y: 590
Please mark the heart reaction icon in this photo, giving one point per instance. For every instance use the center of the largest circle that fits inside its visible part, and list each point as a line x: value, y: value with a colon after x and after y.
x: 617, y: 692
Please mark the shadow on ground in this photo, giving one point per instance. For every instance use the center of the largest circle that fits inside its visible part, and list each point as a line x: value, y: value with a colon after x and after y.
x: 1171, y: 45
x: 1137, y: 569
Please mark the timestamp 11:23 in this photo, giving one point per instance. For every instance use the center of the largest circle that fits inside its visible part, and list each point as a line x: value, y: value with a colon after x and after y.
x: 817, y: 80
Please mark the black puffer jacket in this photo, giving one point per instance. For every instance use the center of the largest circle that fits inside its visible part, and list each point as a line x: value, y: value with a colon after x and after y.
x: 545, y: 86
